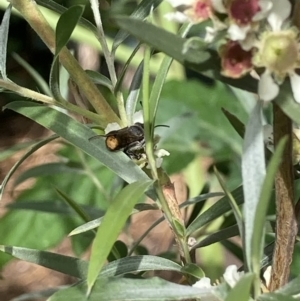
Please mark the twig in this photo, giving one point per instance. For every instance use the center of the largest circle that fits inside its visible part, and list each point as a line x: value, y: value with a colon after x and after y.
x: 286, y: 223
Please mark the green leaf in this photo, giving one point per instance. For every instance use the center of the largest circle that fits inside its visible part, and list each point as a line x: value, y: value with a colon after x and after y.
x: 193, y: 270
x: 54, y: 82
x: 235, y: 209
x: 134, y: 92
x: 235, y: 122
x: 99, y: 79
x: 275, y: 297
x: 200, y: 60
x: 122, y: 289
x: 8, y: 152
x: 137, y: 264
x: 39, y: 295
x: 78, y: 268
x: 241, y: 291
x: 218, y: 236
x: 65, y: 26
x: 96, y: 222
x: 87, y: 226
x: 32, y: 149
x: 253, y: 174
x: 111, y: 226
x: 141, y: 12
x: 77, y: 134
x: 76, y: 207
x: 3, y: 40
x: 291, y: 288
x: 34, y: 74
x: 61, y: 263
x: 219, y: 208
x: 47, y: 169
x: 257, y: 242
x: 52, y: 207
x: 163, y: 40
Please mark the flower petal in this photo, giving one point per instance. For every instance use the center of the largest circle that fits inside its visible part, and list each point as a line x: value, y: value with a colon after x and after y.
x: 238, y: 33
x: 231, y: 275
x: 295, y: 84
x: 138, y: 117
x: 114, y: 126
x: 267, y: 88
x: 265, y: 7
x: 218, y: 6
x: 177, y: 17
x: 176, y: 3
x: 161, y: 153
x: 203, y: 283
x: 279, y: 13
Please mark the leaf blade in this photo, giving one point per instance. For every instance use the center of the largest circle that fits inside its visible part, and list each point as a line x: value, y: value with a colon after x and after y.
x: 116, y: 215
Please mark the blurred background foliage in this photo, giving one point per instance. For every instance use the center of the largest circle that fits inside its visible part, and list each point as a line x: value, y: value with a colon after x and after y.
x: 200, y: 135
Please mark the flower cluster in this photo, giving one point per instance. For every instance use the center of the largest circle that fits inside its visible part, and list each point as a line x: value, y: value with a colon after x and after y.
x: 257, y: 34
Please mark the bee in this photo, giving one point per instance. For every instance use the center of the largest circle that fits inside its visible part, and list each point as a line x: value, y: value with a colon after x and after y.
x: 130, y: 139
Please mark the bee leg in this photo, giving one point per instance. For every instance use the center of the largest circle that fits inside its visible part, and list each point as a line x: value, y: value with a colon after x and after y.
x: 132, y: 149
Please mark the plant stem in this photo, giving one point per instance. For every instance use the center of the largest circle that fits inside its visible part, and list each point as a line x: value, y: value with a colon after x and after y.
x: 31, y: 13
x: 109, y: 59
x: 27, y: 93
x: 286, y: 223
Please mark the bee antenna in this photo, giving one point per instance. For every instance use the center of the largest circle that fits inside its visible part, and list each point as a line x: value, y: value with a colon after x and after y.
x: 162, y: 125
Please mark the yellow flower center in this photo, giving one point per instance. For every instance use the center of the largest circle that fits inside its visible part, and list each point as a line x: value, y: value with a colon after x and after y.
x: 280, y: 52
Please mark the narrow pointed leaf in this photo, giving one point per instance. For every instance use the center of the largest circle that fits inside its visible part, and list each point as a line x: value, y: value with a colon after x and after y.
x: 32, y: 149
x: 34, y: 74
x: 65, y: 264
x: 96, y: 222
x: 65, y: 26
x: 200, y: 60
x: 218, y: 236
x: 163, y: 40
x: 220, y: 207
x: 111, y: 226
x: 47, y: 169
x: 78, y: 134
x: 235, y: 209
x: 99, y: 79
x: 258, y: 238
x: 253, y: 173
x: 78, y: 268
x: 122, y: 289
x: 141, y: 12
x: 3, y: 40
x: 241, y: 291
x: 139, y: 263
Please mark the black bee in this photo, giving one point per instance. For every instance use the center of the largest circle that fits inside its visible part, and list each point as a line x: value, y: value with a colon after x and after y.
x: 130, y: 139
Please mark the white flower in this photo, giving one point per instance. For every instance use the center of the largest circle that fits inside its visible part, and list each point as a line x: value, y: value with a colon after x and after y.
x: 203, y: 283
x: 279, y: 52
x: 206, y: 289
x: 194, y: 11
x: 243, y: 18
x: 232, y: 276
x: 159, y: 153
x: 114, y: 126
